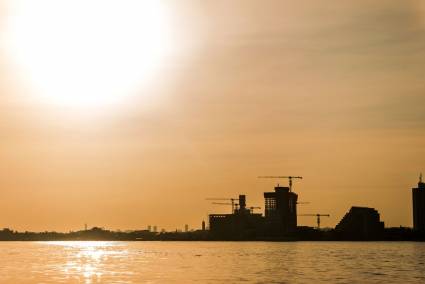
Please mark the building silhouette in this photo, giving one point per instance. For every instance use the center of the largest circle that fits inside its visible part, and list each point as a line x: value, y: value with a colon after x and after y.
x: 418, y: 197
x: 241, y: 224
x: 280, y: 211
x: 280, y: 217
x: 360, y: 223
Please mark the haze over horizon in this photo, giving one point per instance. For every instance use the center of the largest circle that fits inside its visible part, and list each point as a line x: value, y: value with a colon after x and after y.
x: 216, y: 94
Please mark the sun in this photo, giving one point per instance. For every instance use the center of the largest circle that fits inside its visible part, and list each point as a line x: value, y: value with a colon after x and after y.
x: 88, y: 52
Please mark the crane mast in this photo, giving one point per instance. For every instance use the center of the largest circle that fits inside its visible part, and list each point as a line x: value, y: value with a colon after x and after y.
x: 317, y: 216
x: 232, y: 200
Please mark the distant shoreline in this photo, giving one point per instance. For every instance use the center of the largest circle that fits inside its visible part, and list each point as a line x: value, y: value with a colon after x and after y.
x: 99, y: 234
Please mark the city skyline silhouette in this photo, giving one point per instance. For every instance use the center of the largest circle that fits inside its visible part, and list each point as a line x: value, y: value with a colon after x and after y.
x: 135, y: 121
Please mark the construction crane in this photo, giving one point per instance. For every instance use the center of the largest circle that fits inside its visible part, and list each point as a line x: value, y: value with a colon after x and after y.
x: 251, y: 209
x: 280, y: 177
x: 232, y: 200
x: 223, y: 203
x: 234, y: 205
x: 317, y: 216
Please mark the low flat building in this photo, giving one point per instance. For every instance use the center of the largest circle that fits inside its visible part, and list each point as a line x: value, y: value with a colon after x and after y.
x: 241, y: 224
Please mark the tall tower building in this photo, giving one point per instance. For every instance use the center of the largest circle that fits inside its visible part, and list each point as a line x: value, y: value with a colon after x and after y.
x: 280, y: 211
x: 418, y: 195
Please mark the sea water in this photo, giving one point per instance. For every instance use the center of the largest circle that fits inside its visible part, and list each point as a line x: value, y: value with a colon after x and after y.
x: 212, y: 262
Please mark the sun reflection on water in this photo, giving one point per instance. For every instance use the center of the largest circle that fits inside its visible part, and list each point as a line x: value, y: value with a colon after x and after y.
x: 211, y: 262
x: 87, y: 260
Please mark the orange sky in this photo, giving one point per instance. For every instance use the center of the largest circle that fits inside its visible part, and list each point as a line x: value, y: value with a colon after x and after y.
x: 329, y: 90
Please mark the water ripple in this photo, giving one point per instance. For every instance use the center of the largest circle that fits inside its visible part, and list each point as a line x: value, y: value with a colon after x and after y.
x: 211, y: 262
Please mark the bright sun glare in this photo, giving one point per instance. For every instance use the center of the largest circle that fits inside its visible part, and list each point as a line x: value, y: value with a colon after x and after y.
x: 88, y: 52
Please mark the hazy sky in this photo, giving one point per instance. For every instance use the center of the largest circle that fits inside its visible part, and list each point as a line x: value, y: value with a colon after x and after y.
x: 333, y: 91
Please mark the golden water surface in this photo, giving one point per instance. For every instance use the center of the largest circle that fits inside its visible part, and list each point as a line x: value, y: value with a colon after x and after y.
x: 211, y: 262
